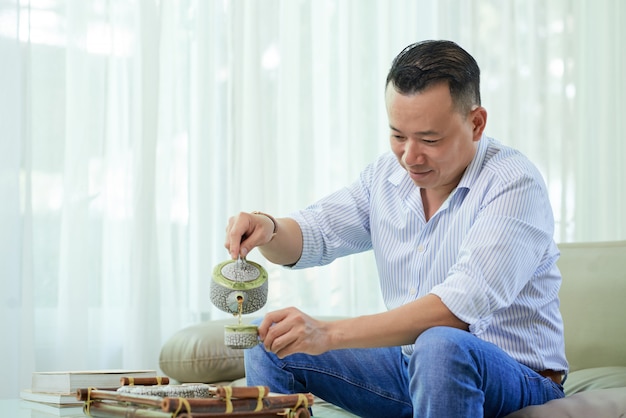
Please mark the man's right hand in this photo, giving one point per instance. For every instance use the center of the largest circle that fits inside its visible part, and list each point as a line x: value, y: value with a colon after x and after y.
x: 279, y: 240
x: 246, y: 231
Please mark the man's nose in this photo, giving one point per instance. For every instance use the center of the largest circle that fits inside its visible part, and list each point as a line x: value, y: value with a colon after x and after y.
x: 413, y: 152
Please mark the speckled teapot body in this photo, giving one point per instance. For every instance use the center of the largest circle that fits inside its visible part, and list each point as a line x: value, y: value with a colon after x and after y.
x: 239, y: 285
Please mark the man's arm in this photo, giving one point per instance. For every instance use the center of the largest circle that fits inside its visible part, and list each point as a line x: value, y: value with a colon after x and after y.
x: 285, y: 248
x: 289, y: 331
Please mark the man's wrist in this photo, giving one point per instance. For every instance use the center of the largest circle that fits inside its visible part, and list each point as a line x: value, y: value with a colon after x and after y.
x: 271, y: 218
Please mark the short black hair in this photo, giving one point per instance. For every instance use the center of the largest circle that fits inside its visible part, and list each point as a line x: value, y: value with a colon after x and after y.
x: 430, y: 62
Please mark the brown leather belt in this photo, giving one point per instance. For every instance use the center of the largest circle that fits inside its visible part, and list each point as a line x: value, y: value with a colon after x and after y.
x: 556, y: 377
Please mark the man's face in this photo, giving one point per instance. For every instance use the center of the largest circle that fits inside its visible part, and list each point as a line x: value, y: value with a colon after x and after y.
x: 430, y: 138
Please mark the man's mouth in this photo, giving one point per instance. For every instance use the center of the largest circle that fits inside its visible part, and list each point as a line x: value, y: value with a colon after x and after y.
x: 419, y: 174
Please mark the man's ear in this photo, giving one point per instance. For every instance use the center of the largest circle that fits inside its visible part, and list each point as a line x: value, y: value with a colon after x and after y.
x: 479, y: 121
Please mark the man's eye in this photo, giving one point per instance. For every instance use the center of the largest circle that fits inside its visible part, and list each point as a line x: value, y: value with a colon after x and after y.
x: 430, y: 141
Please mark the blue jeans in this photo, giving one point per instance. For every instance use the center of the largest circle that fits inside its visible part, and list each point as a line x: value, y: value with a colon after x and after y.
x: 450, y: 374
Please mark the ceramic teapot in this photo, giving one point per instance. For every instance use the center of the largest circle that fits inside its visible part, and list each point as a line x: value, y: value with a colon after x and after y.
x: 239, y: 286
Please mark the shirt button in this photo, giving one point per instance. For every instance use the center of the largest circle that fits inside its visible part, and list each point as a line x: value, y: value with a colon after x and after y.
x: 420, y: 248
x: 412, y: 291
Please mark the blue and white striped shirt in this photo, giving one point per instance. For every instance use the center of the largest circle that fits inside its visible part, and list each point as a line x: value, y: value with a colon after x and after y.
x: 488, y: 252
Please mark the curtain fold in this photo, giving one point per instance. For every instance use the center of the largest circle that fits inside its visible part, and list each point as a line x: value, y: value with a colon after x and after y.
x: 16, y: 285
x: 131, y: 130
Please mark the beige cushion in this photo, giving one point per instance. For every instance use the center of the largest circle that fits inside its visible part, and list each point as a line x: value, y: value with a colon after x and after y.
x: 596, y: 378
x: 198, y: 354
x: 592, y: 303
x: 606, y: 403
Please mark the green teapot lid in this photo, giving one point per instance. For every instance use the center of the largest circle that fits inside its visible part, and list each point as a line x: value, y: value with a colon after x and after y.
x: 239, y: 274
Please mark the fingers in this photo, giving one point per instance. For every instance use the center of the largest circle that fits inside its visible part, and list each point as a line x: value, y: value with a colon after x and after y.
x: 282, y: 346
x: 246, y: 231
x: 232, y: 241
x: 282, y: 339
x: 275, y: 331
x: 239, y: 230
x: 270, y: 320
x: 290, y: 331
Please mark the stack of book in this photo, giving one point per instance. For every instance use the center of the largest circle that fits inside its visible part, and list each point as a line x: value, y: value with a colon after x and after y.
x: 54, y: 394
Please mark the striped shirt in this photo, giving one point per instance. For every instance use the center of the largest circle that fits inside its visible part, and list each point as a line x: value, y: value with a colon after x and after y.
x: 488, y: 252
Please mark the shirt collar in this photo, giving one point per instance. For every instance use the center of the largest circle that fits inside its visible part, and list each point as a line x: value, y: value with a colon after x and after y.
x: 474, y: 168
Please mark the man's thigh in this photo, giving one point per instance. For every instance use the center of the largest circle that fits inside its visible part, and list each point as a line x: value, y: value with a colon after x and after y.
x: 453, y: 372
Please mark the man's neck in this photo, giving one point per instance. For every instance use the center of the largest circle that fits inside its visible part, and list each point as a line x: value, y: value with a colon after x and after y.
x: 432, y: 199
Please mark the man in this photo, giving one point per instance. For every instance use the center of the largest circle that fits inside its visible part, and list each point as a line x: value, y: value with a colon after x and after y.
x: 461, y: 228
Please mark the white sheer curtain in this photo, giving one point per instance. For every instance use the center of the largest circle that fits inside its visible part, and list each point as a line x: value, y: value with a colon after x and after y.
x: 131, y: 130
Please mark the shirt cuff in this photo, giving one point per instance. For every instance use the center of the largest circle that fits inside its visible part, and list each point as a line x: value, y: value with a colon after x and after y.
x: 311, y: 247
x: 469, y: 305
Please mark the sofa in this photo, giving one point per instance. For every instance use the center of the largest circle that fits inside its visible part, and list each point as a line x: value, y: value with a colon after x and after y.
x: 593, y: 305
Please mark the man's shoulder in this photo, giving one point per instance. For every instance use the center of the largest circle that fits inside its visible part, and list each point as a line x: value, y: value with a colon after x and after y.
x: 508, y: 163
x: 386, y: 160
x: 385, y: 167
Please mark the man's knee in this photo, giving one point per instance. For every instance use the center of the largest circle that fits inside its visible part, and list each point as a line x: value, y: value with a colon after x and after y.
x: 441, y: 348
x: 437, y: 338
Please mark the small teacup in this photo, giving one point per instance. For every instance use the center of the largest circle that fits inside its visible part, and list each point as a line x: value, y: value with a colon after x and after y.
x: 241, y: 336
